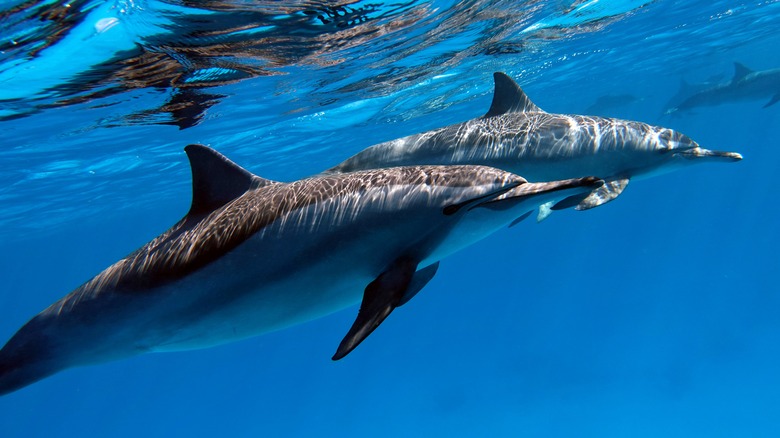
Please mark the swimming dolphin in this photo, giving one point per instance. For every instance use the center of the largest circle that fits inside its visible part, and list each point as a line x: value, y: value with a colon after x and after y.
x: 611, y: 102
x: 745, y: 85
x: 253, y: 255
x: 517, y: 136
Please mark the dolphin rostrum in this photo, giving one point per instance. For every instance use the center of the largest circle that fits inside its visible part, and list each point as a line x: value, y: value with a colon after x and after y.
x: 517, y: 136
x: 745, y: 85
x: 253, y: 255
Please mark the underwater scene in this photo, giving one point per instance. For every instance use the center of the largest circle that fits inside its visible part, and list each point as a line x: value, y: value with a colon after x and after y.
x: 409, y: 218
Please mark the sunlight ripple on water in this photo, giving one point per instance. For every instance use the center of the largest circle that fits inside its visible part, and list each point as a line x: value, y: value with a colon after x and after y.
x: 107, y: 78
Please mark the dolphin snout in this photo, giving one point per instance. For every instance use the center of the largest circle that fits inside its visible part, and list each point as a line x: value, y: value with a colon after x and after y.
x: 699, y: 152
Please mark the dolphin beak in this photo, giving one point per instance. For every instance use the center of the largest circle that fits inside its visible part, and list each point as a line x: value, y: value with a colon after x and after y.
x: 551, y: 189
x: 698, y: 152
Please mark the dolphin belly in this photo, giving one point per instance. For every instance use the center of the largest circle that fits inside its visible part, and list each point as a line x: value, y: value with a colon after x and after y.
x: 259, y: 308
x: 270, y: 283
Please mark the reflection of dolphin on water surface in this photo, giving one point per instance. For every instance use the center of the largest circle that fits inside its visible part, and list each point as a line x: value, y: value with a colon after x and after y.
x: 745, y: 85
x: 517, y: 136
x: 253, y: 256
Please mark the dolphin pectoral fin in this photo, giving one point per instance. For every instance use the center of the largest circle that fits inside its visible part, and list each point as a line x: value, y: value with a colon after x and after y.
x: 773, y: 100
x: 607, y: 192
x: 522, y: 217
x: 380, y: 297
x: 419, y: 280
x: 545, y: 210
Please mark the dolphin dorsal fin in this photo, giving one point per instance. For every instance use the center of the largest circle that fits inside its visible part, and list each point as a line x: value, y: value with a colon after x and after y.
x: 216, y: 180
x: 740, y: 71
x: 508, y: 97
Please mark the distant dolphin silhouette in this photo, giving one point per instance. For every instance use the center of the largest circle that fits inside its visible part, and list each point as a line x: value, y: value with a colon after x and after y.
x: 517, y: 136
x: 253, y: 255
x: 745, y: 85
x: 609, y: 102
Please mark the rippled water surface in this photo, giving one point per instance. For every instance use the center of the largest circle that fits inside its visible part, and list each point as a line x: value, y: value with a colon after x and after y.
x: 654, y: 315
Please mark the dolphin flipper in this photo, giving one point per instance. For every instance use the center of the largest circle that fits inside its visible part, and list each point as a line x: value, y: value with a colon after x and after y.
x: 607, y: 192
x: 571, y: 201
x: 419, y: 280
x: 773, y: 100
x: 522, y: 217
x: 380, y: 297
x: 545, y: 210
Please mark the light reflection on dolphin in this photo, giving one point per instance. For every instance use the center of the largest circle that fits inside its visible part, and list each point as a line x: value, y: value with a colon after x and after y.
x: 253, y: 255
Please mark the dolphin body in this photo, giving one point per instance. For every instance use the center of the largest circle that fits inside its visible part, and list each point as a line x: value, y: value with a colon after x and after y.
x: 745, y: 85
x: 253, y: 255
x: 517, y: 136
x: 611, y: 102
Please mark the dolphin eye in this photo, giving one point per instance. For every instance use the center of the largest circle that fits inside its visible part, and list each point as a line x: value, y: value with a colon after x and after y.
x: 451, y: 209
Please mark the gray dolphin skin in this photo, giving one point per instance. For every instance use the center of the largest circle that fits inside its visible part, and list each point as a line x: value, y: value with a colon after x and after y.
x: 517, y: 136
x: 253, y: 256
x: 745, y: 85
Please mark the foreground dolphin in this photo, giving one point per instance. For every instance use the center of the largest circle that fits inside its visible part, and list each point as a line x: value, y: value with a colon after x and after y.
x: 254, y: 255
x: 745, y: 85
x: 517, y: 136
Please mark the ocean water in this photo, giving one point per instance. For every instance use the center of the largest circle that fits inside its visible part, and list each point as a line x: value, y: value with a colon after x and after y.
x: 653, y: 315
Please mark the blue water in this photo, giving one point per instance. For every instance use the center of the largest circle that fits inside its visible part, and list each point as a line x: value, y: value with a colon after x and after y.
x: 654, y: 315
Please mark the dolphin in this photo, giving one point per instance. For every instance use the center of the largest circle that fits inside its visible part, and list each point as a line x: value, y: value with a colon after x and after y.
x: 254, y: 255
x: 517, y: 136
x: 611, y: 102
x: 745, y: 85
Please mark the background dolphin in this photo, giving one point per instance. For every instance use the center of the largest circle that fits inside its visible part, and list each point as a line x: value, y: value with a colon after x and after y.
x: 253, y: 255
x: 745, y: 85
x: 517, y: 136
x: 610, y: 102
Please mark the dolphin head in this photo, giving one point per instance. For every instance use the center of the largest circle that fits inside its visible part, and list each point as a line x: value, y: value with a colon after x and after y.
x: 680, y: 146
x: 681, y: 151
x: 460, y: 187
x: 482, y: 216
x: 650, y: 150
x: 528, y: 196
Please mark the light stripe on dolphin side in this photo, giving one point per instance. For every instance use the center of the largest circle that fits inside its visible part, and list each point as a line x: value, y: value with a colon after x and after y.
x: 517, y: 136
x: 254, y: 255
